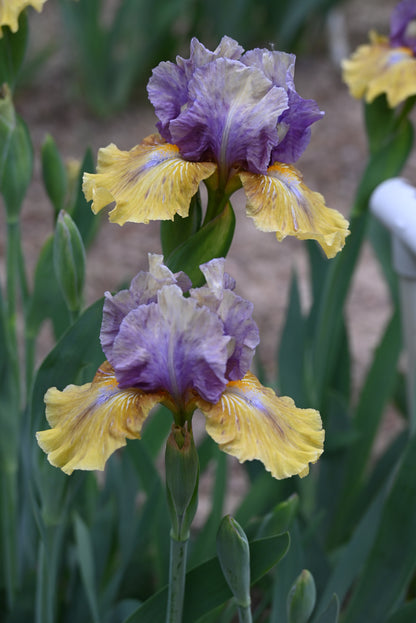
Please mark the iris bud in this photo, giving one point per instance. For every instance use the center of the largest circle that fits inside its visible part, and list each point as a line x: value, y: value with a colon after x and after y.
x: 69, y: 261
x: 301, y: 598
x: 234, y: 555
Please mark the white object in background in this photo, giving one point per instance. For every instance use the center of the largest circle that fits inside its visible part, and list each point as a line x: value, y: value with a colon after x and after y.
x: 394, y: 203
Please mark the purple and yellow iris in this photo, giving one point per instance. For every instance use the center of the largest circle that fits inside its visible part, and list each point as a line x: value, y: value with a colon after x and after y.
x: 387, y: 64
x: 189, y: 353
x: 11, y: 9
x: 230, y: 119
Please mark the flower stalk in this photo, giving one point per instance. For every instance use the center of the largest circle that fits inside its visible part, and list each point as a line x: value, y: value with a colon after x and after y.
x: 182, y: 477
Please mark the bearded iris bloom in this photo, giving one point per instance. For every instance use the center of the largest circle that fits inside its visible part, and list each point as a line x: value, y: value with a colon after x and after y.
x: 187, y: 353
x: 387, y: 64
x: 11, y: 9
x: 230, y: 119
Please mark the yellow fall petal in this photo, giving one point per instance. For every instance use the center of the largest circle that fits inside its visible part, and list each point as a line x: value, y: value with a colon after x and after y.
x: 11, y: 9
x: 251, y: 422
x: 91, y: 421
x: 281, y: 202
x: 377, y: 68
x: 150, y: 182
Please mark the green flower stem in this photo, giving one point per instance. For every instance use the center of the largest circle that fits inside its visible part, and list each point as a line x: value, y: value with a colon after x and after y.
x: 217, y: 200
x: 177, y: 572
x: 13, y: 261
x: 244, y: 614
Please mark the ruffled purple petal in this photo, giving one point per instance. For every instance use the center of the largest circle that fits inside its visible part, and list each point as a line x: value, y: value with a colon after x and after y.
x: 143, y: 290
x: 200, y: 55
x: 232, y: 116
x: 278, y: 67
x: 168, y: 92
x: 174, y: 346
x: 294, y: 123
x: 402, y: 26
x: 297, y: 120
x: 235, y: 313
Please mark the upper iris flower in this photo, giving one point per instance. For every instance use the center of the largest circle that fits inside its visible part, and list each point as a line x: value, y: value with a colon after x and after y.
x: 11, y: 9
x: 388, y: 64
x: 187, y: 353
x: 232, y: 119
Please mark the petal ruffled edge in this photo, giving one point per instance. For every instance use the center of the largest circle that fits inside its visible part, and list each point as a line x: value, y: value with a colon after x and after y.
x: 150, y: 182
x: 91, y: 421
x: 9, y: 13
x: 251, y: 422
x: 282, y: 203
x: 377, y: 68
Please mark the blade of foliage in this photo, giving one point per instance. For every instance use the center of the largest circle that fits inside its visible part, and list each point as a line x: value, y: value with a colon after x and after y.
x: 392, y: 560
x: 384, y: 164
x: 380, y: 239
x: 262, y: 495
x: 285, y: 573
x: 86, y: 221
x: 404, y: 614
x: 75, y: 358
x: 292, y: 348
x: 352, y: 557
x: 280, y: 519
x: 370, y: 409
x: 212, y: 240
x: 47, y: 300
x: 12, y: 52
x: 86, y: 564
x: 174, y: 233
x: 206, y: 587
x: 331, y: 614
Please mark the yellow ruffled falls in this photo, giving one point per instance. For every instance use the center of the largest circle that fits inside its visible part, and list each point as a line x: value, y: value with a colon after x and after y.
x: 153, y: 182
x: 11, y: 9
x: 249, y: 422
x: 377, y: 68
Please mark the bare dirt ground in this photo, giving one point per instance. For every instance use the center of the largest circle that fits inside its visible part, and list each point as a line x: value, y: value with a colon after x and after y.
x: 262, y: 267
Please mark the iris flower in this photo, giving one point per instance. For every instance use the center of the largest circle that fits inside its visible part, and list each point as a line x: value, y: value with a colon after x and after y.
x: 11, y: 9
x: 230, y: 119
x: 387, y: 64
x: 187, y: 353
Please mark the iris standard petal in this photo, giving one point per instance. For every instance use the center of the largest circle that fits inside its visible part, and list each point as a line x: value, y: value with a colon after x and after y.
x: 150, y: 182
x: 89, y: 422
x: 403, y: 25
x: 377, y: 68
x: 282, y: 203
x: 231, y: 117
x: 235, y: 313
x: 143, y: 290
x: 251, y: 422
x: 11, y: 9
x: 172, y: 345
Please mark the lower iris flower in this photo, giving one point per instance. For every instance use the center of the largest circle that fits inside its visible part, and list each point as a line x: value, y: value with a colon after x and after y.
x: 230, y: 119
x: 387, y: 64
x: 11, y: 9
x: 188, y: 353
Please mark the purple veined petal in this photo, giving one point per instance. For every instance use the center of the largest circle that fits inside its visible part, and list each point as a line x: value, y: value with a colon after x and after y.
x: 174, y: 346
x: 200, y: 55
x: 143, y: 290
x: 168, y: 92
x: 235, y: 313
x: 232, y: 118
x: 297, y: 119
x: 216, y: 277
x: 403, y: 26
x: 278, y: 67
